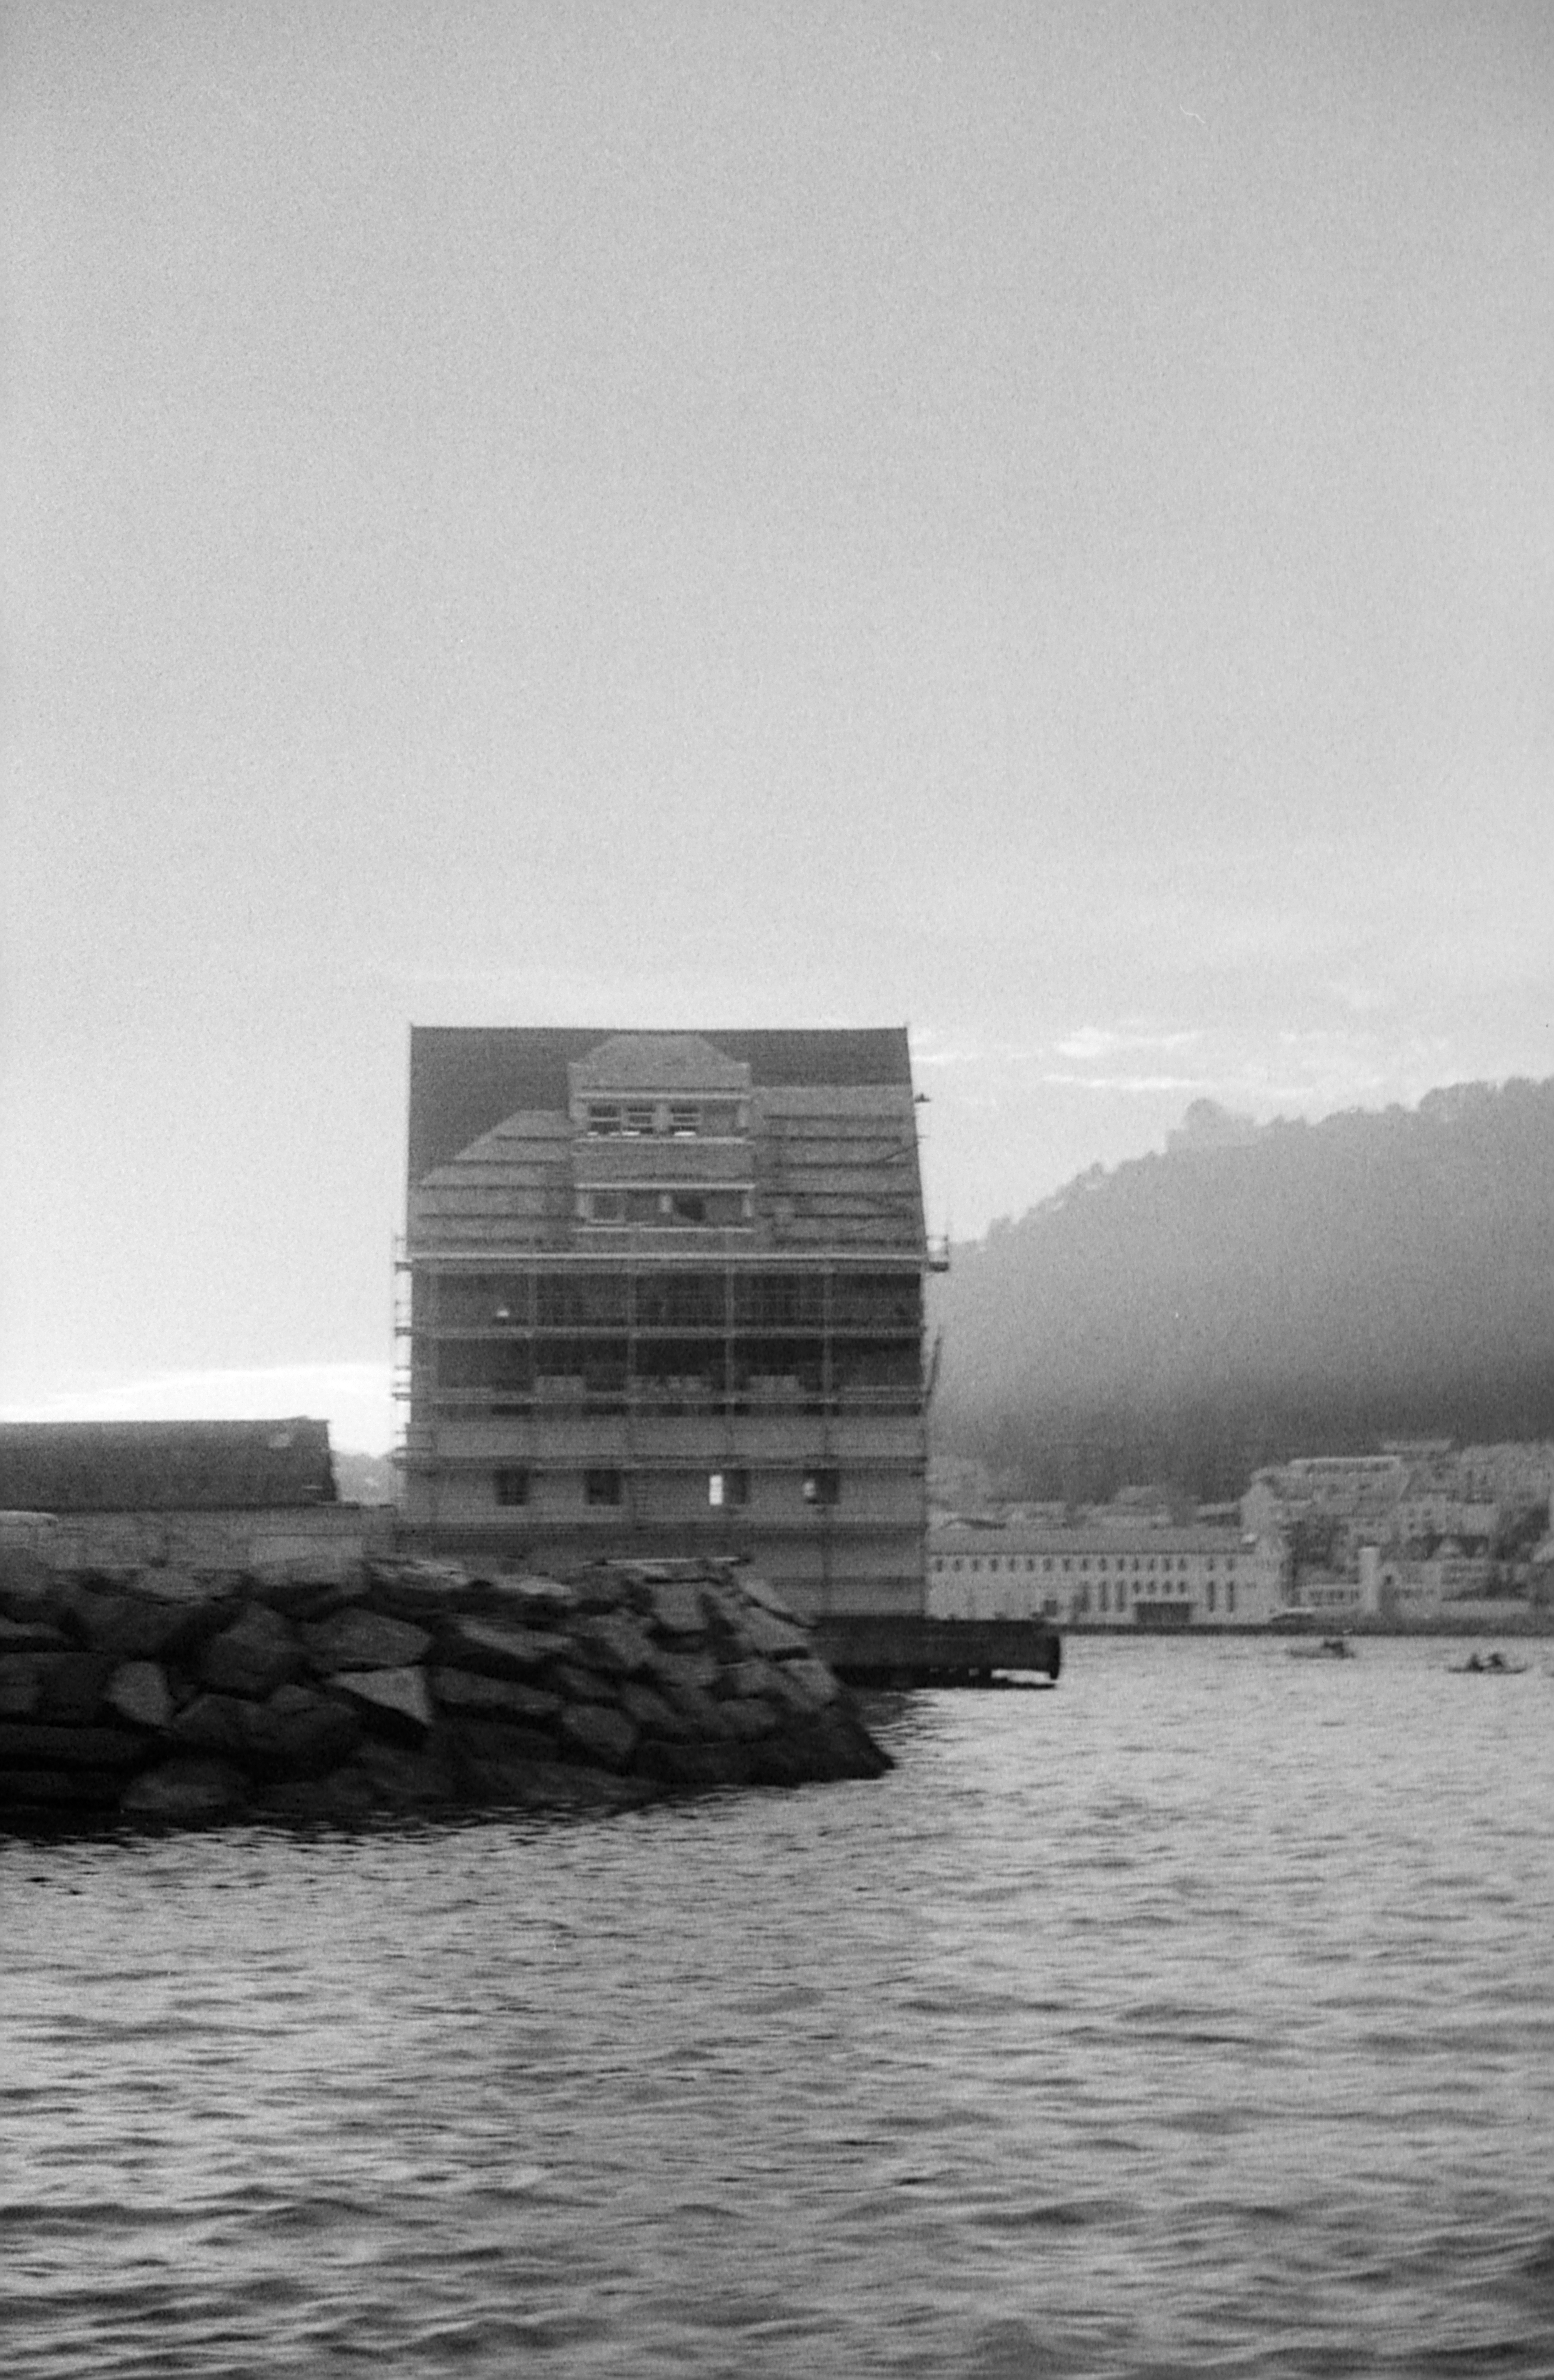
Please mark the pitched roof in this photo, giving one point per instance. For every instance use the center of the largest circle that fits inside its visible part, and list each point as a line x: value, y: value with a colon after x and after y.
x: 658, y: 1062
x: 163, y: 1466
x: 831, y: 1160
x: 465, y: 1080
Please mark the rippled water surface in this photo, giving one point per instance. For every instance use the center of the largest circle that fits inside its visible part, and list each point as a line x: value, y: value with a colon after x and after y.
x: 1196, y: 2017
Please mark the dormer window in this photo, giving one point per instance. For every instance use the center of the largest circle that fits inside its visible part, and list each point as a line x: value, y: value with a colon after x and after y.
x: 679, y: 1118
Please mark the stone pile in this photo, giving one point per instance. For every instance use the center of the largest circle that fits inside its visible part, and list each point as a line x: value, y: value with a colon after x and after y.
x: 404, y: 1686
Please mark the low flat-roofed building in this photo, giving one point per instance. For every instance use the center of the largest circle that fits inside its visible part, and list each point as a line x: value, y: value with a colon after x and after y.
x: 666, y: 1298
x: 205, y: 1493
x: 1103, y: 1575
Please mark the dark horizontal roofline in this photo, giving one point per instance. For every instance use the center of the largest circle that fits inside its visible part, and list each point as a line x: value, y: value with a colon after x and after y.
x: 465, y: 1080
x: 124, y: 1467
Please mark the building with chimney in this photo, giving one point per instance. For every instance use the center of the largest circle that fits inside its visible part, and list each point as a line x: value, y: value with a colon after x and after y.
x: 665, y: 1297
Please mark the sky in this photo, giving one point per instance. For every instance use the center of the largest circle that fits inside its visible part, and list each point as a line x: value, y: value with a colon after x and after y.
x: 1030, y: 520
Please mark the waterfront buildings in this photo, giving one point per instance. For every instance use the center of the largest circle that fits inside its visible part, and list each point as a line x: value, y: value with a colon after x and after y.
x: 665, y: 1297
x: 1104, y: 1573
x: 198, y: 1494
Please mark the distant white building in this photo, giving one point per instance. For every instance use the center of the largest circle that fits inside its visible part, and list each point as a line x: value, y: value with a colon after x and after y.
x: 1102, y: 1574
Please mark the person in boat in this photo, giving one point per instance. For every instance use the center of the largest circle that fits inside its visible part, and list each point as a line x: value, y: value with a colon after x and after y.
x: 1473, y: 1663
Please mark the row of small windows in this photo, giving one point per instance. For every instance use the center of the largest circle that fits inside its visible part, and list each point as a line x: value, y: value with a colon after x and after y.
x: 709, y: 1210
x: 602, y: 1297
x: 603, y: 1484
x: 703, y: 1369
x: 1050, y: 1563
x: 663, y: 1119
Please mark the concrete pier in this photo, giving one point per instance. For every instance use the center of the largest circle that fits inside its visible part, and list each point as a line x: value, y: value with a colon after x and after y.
x: 869, y: 1651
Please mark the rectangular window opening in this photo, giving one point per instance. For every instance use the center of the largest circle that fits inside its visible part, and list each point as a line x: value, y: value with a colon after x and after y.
x: 728, y: 1490
x: 823, y: 1487
x: 512, y: 1483
x: 601, y: 1487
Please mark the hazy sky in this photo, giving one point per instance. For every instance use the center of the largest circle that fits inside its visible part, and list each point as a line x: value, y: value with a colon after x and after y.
x: 1030, y: 519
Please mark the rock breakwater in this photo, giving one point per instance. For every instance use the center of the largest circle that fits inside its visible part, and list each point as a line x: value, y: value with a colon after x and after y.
x: 344, y: 1692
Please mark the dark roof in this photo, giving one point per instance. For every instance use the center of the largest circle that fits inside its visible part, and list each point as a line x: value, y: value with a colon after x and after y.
x: 465, y: 1080
x: 164, y: 1466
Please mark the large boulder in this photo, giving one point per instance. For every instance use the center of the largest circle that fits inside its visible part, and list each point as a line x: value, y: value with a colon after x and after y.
x: 186, y: 1793
x: 397, y: 1702
x: 606, y: 1738
x: 215, y: 1723
x: 139, y: 1691
x: 298, y: 1734
x: 139, y: 1627
x: 468, y: 1690
x: 499, y: 1648
x: 253, y: 1657
x: 614, y: 1643
x: 357, y: 1639
x: 674, y: 1607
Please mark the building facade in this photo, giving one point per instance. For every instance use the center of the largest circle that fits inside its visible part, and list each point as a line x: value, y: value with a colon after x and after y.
x: 1103, y: 1575
x: 198, y: 1495
x: 665, y: 1296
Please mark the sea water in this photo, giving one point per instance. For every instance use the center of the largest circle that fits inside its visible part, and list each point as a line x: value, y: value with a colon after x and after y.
x: 1194, y: 2017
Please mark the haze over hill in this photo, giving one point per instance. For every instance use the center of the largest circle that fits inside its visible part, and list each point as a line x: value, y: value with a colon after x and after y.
x: 1257, y: 1291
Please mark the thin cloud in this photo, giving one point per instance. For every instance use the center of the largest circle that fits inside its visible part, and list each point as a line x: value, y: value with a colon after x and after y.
x: 1098, y: 1041
x: 1153, y: 1084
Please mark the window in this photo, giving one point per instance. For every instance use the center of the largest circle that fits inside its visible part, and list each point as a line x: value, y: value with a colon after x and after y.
x: 1213, y: 1592
x: 823, y: 1487
x: 601, y: 1487
x: 639, y: 1117
x: 1229, y: 1602
x: 728, y: 1490
x: 685, y: 1118
x: 512, y: 1483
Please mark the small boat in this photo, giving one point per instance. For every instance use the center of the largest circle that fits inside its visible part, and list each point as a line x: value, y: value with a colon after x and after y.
x: 1491, y: 1665
x: 1326, y: 1649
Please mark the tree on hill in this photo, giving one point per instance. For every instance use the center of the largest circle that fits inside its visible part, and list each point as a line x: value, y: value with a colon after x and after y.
x: 1260, y: 1292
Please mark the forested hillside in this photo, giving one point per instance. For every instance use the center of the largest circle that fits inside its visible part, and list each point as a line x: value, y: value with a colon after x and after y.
x: 1260, y: 1292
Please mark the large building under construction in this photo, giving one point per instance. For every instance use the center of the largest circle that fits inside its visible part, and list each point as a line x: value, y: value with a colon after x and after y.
x: 666, y: 1295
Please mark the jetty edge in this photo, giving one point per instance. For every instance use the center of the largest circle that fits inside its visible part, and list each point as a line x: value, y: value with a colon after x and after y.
x: 348, y: 1690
